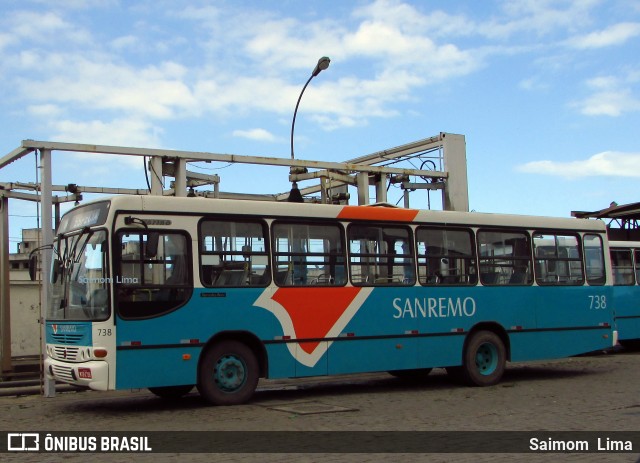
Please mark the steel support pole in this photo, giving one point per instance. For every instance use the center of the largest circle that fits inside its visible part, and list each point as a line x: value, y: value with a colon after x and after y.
x: 155, y: 172
x: 46, y: 221
x: 5, y: 300
x: 381, y: 188
x: 363, y: 188
x: 180, y: 185
x: 456, y: 192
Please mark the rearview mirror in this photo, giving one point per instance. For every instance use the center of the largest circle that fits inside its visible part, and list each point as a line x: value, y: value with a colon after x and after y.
x: 151, y: 247
x: 55, y: 270
x: 33, y: 266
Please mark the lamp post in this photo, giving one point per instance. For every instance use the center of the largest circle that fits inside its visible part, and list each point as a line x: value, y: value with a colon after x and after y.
x: 323, y: 63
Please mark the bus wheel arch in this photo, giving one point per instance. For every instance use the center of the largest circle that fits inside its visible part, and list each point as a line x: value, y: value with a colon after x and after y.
x: 484, y: 355
x: 247, y: 338
x: 229, y: 368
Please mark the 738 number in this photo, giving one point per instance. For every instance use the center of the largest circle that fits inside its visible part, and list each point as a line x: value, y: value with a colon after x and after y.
x: 598, y: 302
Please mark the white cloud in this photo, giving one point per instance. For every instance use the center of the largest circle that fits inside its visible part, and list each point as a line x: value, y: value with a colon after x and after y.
x: 609, y: 103
x: 125, y: 42
x: 103, y: 169
x: 612, y: 96
x: 154, y: 91
x: 401, y: 48
x: 533, y: 84
x: 45, y: 28
x: 612, y: 35
x: 6, y: 40
x: 607, y: 163
x: 256, y: 134
x: 119, y: 132
x: 44, y: 110
x: 538, y: 16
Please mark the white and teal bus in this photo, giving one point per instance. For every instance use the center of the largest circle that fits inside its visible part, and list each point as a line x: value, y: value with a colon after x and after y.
x: 625, y: 262
x: 170, y: 293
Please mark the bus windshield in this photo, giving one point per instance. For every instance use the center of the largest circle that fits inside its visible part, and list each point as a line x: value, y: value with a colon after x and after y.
x: 79, y: 279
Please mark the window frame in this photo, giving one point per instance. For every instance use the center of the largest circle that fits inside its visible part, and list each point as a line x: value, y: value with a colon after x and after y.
x: 632, y: 267
x: 266, y: 278
x: 471, y: 261
x: 411, y: 255
x: 149, y: 308
x: 601, y: 280
x: 557, y: 259
x: 498, y: 275
x: 317, y: 281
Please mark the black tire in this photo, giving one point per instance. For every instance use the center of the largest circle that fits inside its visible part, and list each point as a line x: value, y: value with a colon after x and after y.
x: 484, y: 360
x: 171, y: 392
x: 456, y: 374
x: 417, y: 374
x: 631, y: 345
x: 228, y: 373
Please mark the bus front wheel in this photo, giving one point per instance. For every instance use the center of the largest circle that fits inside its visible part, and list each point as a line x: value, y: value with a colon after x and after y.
x: 228, y: 373
x: 484, y: 359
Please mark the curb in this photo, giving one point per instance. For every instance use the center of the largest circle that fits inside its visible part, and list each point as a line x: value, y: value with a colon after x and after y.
x: 35, y: 390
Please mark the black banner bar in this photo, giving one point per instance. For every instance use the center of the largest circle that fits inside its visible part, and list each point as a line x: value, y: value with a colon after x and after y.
x: 322, y: 442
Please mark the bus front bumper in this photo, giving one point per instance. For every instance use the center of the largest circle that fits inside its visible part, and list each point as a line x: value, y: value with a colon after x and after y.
x: 92, y: 374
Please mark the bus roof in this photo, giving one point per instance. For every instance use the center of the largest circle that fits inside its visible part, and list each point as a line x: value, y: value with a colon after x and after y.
x: 377, y: 213
x: 624, y: 244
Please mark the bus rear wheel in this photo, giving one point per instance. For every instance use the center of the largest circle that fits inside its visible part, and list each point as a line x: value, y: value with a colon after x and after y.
x: 228, y: 373
x: 484, y: 360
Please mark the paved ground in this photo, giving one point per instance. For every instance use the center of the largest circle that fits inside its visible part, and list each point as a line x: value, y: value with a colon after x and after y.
x: 597, y: 393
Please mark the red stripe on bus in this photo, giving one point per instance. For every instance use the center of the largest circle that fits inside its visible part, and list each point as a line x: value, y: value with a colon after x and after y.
x: 377, y: 213
x: 314, y: 311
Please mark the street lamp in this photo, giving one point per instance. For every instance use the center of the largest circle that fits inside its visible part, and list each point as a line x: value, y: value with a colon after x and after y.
x: 323, y: 63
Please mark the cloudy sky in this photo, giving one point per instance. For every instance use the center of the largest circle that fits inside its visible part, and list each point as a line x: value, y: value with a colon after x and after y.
x: 546, y: 92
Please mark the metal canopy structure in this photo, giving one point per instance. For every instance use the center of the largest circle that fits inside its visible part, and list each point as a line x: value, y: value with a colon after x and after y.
x: 447, y: 174
x: 444, y: 153
x: 623, y: 221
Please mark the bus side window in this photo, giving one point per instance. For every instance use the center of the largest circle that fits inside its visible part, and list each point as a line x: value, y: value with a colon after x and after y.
x: 622, y: 265
x: 505, y: 257
x: 152, y: 283
x: 308, y: 254
x: 594, y: 259
x: 233, y: 253
x: 637, y: 264
x: 446, y: 257
x: 381, y: 255
x: 557, y: 259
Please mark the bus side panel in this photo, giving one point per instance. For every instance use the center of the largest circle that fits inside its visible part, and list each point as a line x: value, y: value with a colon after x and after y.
x: 281, y: 363
x: 452, y: 312
x: 627, y: 307
x: 543, y: 345
x: 379, y: 337
x: 320, y: 368
x: 440, y: 351
x: 356, y: 356
x: 165, y: 339
x: 573, y: 306
x: 571, y: 320
x: 156, y: 367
